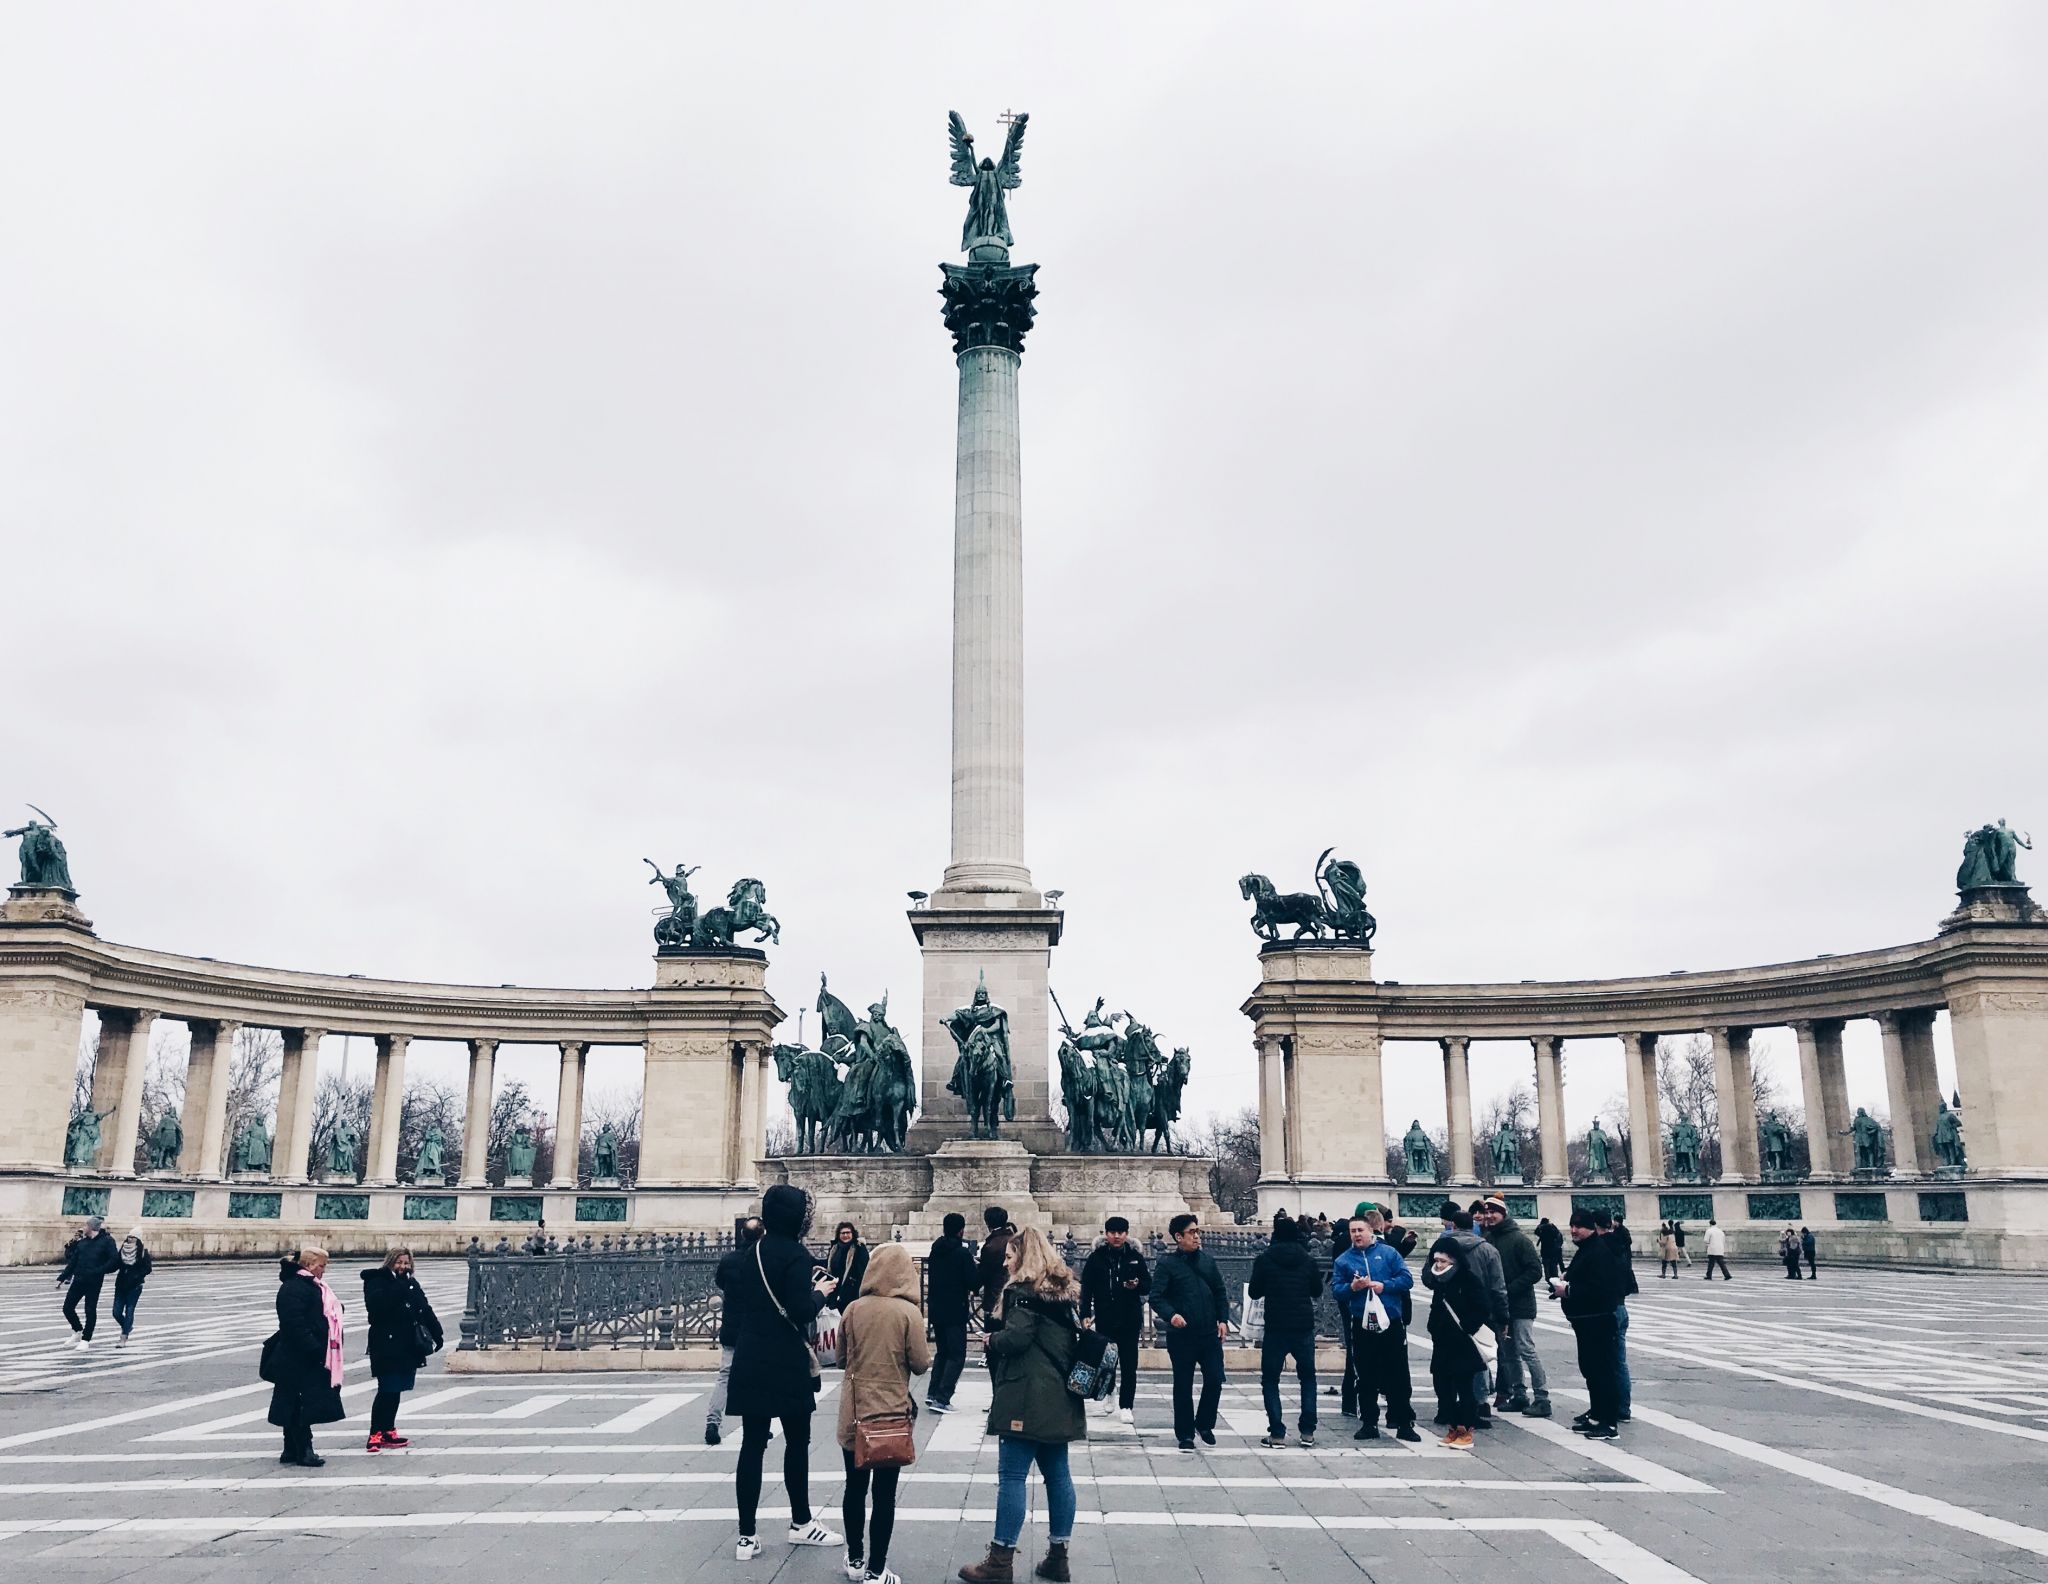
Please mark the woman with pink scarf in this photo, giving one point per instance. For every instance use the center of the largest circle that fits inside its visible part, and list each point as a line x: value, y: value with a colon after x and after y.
x: 302, y: 1361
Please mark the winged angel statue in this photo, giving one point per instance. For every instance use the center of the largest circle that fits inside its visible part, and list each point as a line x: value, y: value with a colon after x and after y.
x: 988, y: 217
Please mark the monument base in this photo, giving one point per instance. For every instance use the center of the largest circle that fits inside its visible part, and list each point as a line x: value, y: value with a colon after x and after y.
x: 518, y: 1182
x: 2006, y: 903
x: 430, y: 1180
x: 28, y: 904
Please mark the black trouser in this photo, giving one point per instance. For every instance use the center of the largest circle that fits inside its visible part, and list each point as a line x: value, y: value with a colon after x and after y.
x: 1811, y: 1273
x: 1274, y: 1352
x: 1599, y: 1348
x: 1381, y: 1359
x: 852, y: 1509
x: 948, y: 1359
x: 1347, y: 1393
x: 1716, y: 1259
x: 85, y: 1290
x: 1187, y: 1347
x: 298, y: 1435
x: 1126, y: 1339
x: 383, y: 1410
x: 796, y: 1465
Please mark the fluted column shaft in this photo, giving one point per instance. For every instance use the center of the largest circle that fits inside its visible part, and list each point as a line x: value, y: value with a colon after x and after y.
x: 753, y: 1118
x: 117, y: 1078
x: 1645, y: 1126
x: 1458, y: 1107
x: 569, y: 1115
x: 298, y: 1077
x: 1911, y: 1087
x: 1272, y: 1110
x: 988, y: 629
x: 476, y: 1123
x: 1550, y: 1109
x: 206, y: 1097
x: 387, y: 1103
x: 1735, y: 1097
x: 1824, y: 1091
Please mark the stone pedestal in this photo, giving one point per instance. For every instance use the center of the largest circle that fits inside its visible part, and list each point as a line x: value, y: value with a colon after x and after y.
x: 519, y: 1182
x: 43, y: 905
x: 710, y: 1018
x: 968, y: 1175
x: 2007, y: 903
x: 604, y: 1183
x: 1006, y: 938
x: 430, y: 1180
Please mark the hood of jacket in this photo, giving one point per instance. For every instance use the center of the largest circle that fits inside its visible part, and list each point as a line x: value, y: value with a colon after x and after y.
x: 784, y: 1210
x: 891, y: 1273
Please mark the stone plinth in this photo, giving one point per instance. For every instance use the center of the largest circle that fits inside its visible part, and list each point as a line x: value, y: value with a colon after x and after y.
x: 968, y: 1175
x: 1317, y: 1022
x: 43, y: 905
x: 709, y: 1024
x: 2006, y: 903
x: 1007, y: 938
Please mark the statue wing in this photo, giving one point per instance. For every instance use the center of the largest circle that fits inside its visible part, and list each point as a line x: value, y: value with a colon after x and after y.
x: 1007, y: 169
x: 963, y: 149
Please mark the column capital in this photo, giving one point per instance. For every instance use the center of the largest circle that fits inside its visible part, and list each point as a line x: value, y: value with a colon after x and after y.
x: 309, y: 1036
x: 223, y: 1028
x: 482, y: 1044
x: 989, y: 305
x: 1447, y: 1042
x: 1546, y: 1044
x: 393, y: 1042
x: 573, y: 1048
x: 1888, y: 1020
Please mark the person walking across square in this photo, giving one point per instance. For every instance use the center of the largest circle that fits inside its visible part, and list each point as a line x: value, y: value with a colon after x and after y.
x: 89, y: 1259
x: 1717, y: 1251
x: 1114, y: 1285
x: 1194, y: 1313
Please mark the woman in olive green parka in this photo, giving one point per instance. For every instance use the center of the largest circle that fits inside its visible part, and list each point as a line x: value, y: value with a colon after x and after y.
x: 1033, y: 1415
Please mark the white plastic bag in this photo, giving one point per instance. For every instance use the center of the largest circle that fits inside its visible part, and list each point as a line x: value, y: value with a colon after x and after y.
x: 1254, y: 1328
x: 1375, y: 1316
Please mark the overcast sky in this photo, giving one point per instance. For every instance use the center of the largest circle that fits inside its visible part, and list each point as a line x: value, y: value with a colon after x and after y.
x: 1585, y: 463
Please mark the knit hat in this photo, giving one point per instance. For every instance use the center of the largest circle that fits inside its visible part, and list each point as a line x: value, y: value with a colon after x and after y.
x: 1495, y: 1202
x: 1363, y: 1206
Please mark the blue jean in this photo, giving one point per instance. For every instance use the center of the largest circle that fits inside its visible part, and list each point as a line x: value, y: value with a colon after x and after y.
x: 124, y: 1309
x: 1014, y: 1457
x: 1622, y: 1382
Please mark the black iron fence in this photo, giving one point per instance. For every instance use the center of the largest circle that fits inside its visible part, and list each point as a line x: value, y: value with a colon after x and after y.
x: 660, y: 1291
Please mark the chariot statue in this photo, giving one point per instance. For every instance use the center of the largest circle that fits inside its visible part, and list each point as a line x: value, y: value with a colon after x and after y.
x: 1335, y: 909
x: 681, y: 926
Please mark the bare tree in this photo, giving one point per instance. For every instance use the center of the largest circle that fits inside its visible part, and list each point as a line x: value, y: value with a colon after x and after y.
x: 1516, y: 1109
x: 511, y: 1106
x: 1686, y: 1088
x: 618, y: 1104
x: 336, y: 1097
x: 163, y: 1084
x: 1232, y: 1142
x: 781, y: 1137
x: 428, y: 1103
x: 81, y: 1075
x: 253, y: 1071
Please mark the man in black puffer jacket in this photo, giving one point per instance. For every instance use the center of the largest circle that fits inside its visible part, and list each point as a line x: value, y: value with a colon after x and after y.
x: 89, y: 1258
x: 1285, y: 1277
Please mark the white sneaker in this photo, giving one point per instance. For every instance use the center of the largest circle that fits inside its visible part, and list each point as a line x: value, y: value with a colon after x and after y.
x: 812, y: 1533
x: 81, y: 1346
x: 1124, y: 1416
x: 747, y: 1549
x: 854, y: 1570
x: 886, y: 1576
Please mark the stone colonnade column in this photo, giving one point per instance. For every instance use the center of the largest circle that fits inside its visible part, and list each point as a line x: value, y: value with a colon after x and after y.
x: 753, y: 1114
x: 569, y: 1114
x: 1911, y: 1087
x: 206, y: 1097
x: 1735, y: 1094
x: 1272, y: 1109
x: 117, y: 1075
x: 1550, y: 1109
x: 1458, y: 1108
x: 387, y: 1102
x: 297, y: 1079
x: 1824, y: 1090
x: 1645, y: 1126
x: 476, y: 1118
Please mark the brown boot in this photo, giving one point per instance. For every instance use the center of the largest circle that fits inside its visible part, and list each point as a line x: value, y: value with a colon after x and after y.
x: 1054, y: 1566
x: 995, y: 1570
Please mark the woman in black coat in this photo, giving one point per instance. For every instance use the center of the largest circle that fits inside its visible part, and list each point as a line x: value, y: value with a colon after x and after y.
x: 847, y: 1264
x: 770, y: 1301
x: 404, y: 1331
x: 302, y: 1360
x: 1457, y: 1309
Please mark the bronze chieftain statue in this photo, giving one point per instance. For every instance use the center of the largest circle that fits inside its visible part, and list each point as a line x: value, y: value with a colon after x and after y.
x: 252, y: 1147
x: 1948, y: 1139
x: 1685, y: 1150
x: 1421, y: 1156
x: 981, y: 1074
x: 1337, y: 909
x: 988, y: 216
x: 44, y: 863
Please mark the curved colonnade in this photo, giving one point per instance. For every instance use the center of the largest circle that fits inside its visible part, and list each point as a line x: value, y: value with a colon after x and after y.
x: 1321, y: 1020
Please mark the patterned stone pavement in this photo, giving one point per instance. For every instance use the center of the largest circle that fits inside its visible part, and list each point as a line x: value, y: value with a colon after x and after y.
x: 1875, y: 1425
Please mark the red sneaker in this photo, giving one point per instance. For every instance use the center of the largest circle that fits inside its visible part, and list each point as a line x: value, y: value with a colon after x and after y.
x: 375, y: 1443
x: 393, y: 1439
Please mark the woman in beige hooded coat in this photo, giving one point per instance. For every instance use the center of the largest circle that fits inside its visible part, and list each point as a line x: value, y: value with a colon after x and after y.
x: 883, y: 1344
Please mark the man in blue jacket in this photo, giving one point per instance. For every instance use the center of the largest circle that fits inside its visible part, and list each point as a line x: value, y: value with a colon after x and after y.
x: 1379, y: 1349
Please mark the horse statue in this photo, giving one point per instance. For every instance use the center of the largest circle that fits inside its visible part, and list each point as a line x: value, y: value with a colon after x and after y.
x: 1081, y: 1091
x: 1272, y: 908
x: 1166, y: 1091
x: 814, y: 1087
x: 745, y: 909
x: 985, y: 1071
x: 1138, y: 1055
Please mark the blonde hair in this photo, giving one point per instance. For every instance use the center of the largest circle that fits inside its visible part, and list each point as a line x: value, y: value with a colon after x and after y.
x: 393, y: 1255
x: 310, y: 1252
x: 1032, y: 1262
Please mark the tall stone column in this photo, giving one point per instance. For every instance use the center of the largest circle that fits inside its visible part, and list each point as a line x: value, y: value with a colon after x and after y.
x: 1824, y: 1091
x: 986, y: 923
x: 298, y: 1078
x: 42, y: 1018
x: 569, y: 1114
x: 753, y: 1115
x: 1911, y: 1087
x: 1645, y: 1126
x: 1458, y: 1108
x: 708, y: 1011
x: 1550, y: 1110
x: 1272, y: 1110
x: 206, y: 1097
x: 387, y: 1102
x: 476, y: 1121
x: 117, y: 1076
x: 1735, y: 1095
